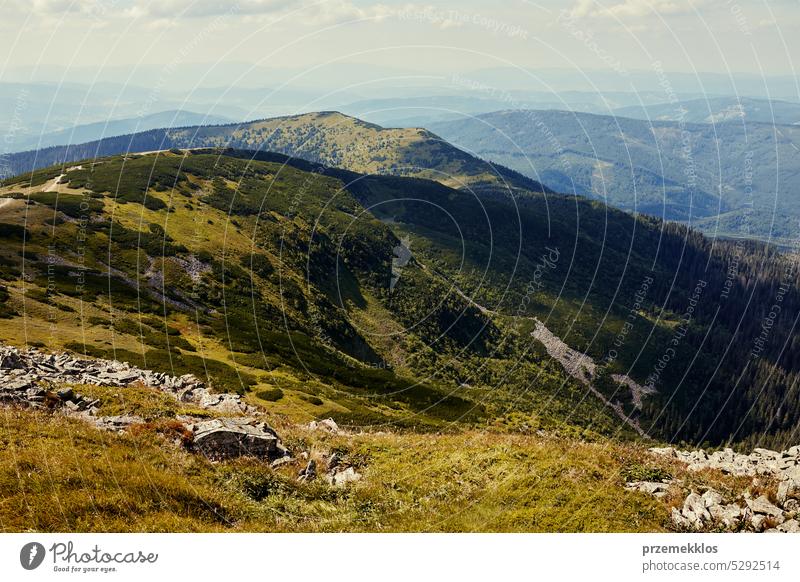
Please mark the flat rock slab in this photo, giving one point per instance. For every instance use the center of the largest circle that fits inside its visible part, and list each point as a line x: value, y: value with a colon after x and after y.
x: 226, y: 438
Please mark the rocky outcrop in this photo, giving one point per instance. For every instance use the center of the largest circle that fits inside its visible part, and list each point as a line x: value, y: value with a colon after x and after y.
x: 577, y: 364
x: 710, y: 511
x: 759, y: 462
x: 30, y: 394
x: 226, y: 438
x: 25, y: 374
x: 25, y: 377
x: 584, y: 369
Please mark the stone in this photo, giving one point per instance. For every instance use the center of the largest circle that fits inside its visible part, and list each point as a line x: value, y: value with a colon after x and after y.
x: 655, y: 488
x: 334, y: 461
x: 789, y: 526
x: 225, y: 438
x: 125, y: 378
x: 664, y: 451
x: 18, y: 384
x: 694, y: 509
x: 786, y: 489
x: 679, y: 520
x: 343, y: 477
x: 22, y: 370
x: 730, y: 516
x: 310, y: 471
x: 10, y: 360
x: 762, y: 505
x: 758, y: 522
x: 327, y: 425
x: 227, y: 403
x: 117, y: 423
x: 711, y: 498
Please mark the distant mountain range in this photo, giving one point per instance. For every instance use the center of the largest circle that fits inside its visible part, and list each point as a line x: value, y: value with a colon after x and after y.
x: 427, y: 109
x: 114, y: 127
x: 730, y: 178
x: 718, y: 110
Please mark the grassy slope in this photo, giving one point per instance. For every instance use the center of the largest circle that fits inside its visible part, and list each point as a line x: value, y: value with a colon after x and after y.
x: 62, y: 475
x: 342, y: 141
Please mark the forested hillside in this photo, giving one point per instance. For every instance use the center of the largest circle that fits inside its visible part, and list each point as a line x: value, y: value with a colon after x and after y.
x: 281, y: 277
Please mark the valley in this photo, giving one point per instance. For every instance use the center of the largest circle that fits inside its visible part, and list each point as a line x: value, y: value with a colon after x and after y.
x: 415, y: 314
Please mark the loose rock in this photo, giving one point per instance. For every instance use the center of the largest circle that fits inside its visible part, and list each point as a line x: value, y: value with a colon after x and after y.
x: 327, y: 425
x: 23, y: 370
x: 310, y: 471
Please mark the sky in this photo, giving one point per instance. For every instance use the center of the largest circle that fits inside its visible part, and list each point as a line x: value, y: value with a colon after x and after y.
x: 62, y: 39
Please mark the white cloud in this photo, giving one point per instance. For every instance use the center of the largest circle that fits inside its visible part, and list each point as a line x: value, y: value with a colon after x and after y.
x: 627, y: 9
x: 203, y: 8
x: 334, y: 12
x: 312, y: 11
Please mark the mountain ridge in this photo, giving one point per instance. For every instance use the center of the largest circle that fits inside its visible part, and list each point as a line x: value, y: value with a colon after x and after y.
x: 331, y: 138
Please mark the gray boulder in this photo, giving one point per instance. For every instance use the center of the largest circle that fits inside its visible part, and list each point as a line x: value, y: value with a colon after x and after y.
x: 327, y: 425
x: 225, y: 438
x: 729, y: 516
x: 711, y: 498
x: 694, y: 509
x: 117, y: 423
x: 786, y: 489
x: 342, y: 477
x: 762, y: 505
x: 657, y: 489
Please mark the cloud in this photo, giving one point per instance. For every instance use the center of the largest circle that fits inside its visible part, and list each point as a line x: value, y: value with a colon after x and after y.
x: 312, y: 11
x: 335, y: 12
x: 628, y: 9
x: 203, y: 8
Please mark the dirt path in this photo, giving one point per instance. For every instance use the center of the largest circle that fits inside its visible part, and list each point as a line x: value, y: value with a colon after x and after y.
x: 51, y: 187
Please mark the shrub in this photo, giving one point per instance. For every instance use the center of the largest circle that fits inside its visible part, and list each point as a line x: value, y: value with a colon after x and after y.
x: 316, y: 401
x: 639, y: 472
x: 13, y: 231
x: 271, y: 394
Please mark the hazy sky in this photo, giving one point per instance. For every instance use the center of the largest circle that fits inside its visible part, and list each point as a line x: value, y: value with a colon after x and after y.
x: 617, y: 35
